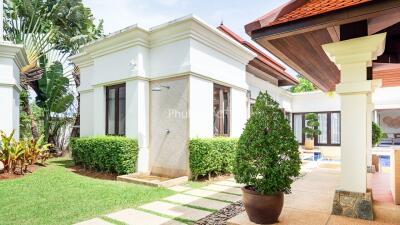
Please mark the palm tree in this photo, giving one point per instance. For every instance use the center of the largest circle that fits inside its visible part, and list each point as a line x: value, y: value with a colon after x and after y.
x: 50, y: 29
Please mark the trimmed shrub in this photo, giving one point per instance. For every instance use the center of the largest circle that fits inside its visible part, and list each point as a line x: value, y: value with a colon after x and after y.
x: 267, y: 157
x: 211, y: 155
x: 107, y: 153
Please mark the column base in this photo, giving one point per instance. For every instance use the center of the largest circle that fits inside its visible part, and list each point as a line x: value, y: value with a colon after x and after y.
x: 353, y: 204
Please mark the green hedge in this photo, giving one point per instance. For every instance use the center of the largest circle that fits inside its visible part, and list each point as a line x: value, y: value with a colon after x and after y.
x: 211, y: 155
x: 106, y: 153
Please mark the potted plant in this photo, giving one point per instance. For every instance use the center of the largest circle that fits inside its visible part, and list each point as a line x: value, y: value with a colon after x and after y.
x: 377, y: 134
x: 311, y: 130
x: 267, y: 161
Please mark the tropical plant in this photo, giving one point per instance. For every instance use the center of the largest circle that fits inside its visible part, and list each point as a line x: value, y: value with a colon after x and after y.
x: 377, y: 134
x: 267, y: 159
x: 312, y: 124
x: 53, y: 92
x: 23, y: 152
x: 303, y: 86
x: 54, y: 29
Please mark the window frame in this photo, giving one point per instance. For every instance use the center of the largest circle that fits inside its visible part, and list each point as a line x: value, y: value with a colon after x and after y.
x: 221, y: 119
x: 329, y: 128
x: 116, y: 107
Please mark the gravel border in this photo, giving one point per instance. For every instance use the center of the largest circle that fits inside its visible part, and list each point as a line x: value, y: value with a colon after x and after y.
x: 223, y: 215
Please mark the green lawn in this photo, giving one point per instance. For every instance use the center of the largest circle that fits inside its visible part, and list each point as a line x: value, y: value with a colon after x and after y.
x: 55, y: 195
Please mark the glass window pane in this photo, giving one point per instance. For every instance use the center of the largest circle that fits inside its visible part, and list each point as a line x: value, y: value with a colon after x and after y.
x: 216, y: 111
x: 323, y: 127
x: 298, y: 127
x: 121, y: 110
x: 226, y: 112
x: 111, y: 111
x: 335, y: 128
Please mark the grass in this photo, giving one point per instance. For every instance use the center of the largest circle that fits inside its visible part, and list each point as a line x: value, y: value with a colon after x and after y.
x: 55, y: 195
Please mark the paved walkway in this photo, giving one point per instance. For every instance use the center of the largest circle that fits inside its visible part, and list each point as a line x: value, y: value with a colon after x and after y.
x: 311, y: 201
x: 187, y: 206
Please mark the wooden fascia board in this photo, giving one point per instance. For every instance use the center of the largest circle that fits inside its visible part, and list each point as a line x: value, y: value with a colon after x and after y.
x: 323, y: 21
x: 266, y: 44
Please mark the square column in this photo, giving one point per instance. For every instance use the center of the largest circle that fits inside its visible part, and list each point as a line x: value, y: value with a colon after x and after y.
x: 99, y: 110
x: 12, y: 59
x: 137, y: 119
x: 352, y: 57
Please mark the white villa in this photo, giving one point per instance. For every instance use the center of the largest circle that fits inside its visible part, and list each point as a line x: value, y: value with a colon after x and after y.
x: 186, y: 79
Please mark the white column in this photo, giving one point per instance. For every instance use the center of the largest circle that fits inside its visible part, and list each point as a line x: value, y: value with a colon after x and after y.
x: 99, y: 110
x: 352, y: 58
x: 12, y: 58
x: 370, y: 108
x: 137, y: 119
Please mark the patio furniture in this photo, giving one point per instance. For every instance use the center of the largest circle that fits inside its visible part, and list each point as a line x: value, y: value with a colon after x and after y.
x: 395, y: 175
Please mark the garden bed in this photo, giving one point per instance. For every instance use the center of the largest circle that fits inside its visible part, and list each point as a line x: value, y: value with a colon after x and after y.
x: 222, y: 216
x: 93, y: 173
x: 31, y: 168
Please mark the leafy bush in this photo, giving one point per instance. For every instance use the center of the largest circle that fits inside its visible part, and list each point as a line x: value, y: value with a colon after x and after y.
x: 211, y: 155
x: 106, y: 154
x: 267, y: 157
x: 311, y: 130
x: 377, y: 133
x: 21, y: 153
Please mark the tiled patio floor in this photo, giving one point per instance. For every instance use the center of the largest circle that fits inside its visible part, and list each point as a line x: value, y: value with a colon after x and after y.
x: 311, y: 201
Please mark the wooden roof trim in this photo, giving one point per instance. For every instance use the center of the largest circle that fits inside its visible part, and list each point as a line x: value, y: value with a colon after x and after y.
x: 277, y: 68
x: 322, y: 21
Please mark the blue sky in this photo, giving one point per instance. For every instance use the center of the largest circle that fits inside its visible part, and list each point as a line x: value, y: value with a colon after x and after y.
x: 118, y: 14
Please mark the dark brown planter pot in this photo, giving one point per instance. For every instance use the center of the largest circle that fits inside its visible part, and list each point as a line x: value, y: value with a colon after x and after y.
x: 262, y: 209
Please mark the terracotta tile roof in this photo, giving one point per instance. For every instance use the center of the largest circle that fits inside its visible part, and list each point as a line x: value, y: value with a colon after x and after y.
x: 260, y: 55
x: 299, y: 9
x: 316, y: 7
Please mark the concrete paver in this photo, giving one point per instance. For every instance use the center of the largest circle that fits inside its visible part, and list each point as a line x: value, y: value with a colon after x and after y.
x: 175, y: 210
x: 136, y: 217
x: 197, y: 201
x: 214, y: 195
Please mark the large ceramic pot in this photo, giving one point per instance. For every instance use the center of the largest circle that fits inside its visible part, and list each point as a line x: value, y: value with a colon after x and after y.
x: 262, y: 209
x: 309, y: 143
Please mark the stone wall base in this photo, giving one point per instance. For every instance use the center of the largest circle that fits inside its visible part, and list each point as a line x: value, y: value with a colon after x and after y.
x: 353, y: 204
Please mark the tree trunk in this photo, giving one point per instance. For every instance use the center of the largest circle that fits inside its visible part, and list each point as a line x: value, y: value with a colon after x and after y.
x: 27, y: 109
x: 75, y: 130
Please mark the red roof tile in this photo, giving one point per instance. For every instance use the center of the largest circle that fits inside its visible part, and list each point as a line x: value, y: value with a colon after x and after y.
x: 299, y: 9
x: 260, y: 55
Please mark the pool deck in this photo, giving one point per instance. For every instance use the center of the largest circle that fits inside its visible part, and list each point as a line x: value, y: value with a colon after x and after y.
x: 312, y: 196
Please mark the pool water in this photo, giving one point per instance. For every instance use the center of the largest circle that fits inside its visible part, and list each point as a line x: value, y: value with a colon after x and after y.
x: 384, y: 160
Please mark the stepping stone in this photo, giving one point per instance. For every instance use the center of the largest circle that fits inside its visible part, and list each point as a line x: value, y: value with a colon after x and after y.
x: 228, y: 183
x: 176, y: 211
x: 136, y: 217
x: 179, y: 188
x: 95, y: 221
x: 197, y: 201
x: 221, y: 188
x: 231, y: 179
x: 214, y: 195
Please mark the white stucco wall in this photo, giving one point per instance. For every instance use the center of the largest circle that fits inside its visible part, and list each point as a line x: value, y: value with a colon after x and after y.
x: 209, y: 62
x: 201, y: 108
x: 87, y: 114
x: 170, y: 58
x: 9, y: 95
x: 238, y: 111
x: 317, y: 101
x: 387, y: 98
x: 278, y: 94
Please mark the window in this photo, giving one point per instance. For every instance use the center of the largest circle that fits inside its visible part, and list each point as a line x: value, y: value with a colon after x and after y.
x: 335, y: 128
x: 323, y: 127
x: 298, y: 127
x: 329, y: 125
x: 222, y: 113
x: 115, y: 110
